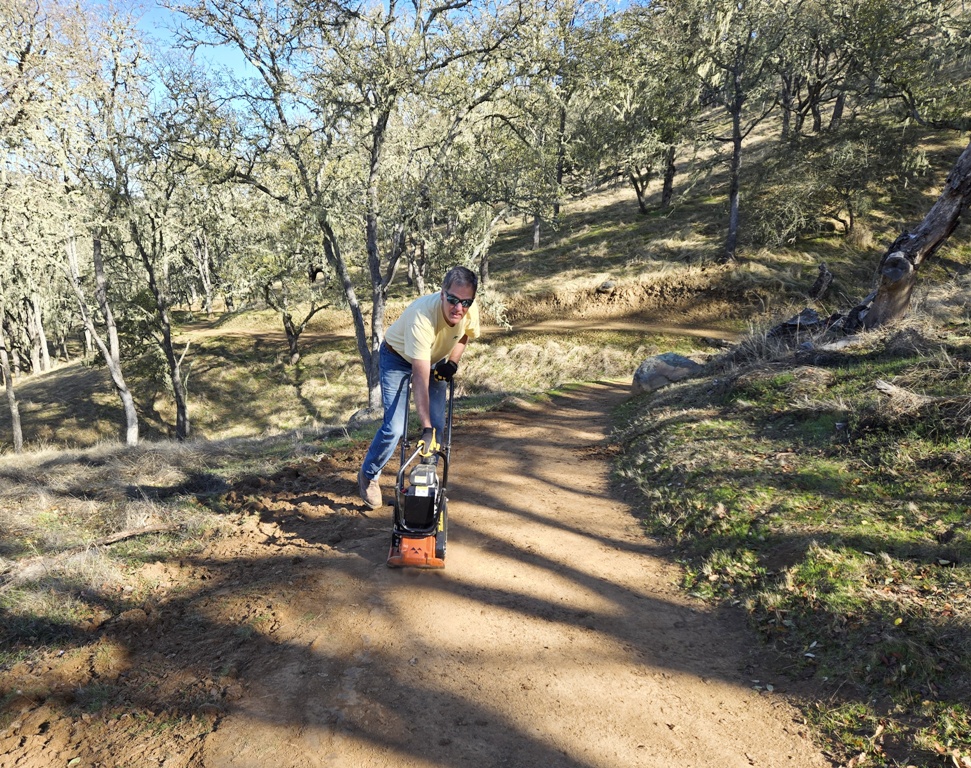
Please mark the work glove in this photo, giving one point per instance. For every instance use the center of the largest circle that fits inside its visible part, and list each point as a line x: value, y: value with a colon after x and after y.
x: 426, y: 444
x: 445, y: 370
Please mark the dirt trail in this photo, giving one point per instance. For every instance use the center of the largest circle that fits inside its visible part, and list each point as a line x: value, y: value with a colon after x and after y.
x: 556, y: 636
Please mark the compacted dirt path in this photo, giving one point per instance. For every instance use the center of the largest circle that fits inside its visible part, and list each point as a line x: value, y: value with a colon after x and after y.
x: 556, y: 636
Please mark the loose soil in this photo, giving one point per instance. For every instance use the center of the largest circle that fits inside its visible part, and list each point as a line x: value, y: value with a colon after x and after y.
x: 556, y: 635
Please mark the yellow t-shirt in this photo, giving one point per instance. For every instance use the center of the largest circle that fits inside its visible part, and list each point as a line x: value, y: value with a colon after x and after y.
x: 421, y: 332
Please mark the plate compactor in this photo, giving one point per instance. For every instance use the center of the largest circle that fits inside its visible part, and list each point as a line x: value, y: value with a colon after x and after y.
x: 420, y: 504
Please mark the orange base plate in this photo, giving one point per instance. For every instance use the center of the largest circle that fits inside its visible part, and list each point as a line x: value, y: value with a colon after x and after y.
x: 415, y: 553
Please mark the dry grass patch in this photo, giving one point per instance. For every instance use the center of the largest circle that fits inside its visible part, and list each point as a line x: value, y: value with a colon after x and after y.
x: 79, y: 525
x: 542, y: 362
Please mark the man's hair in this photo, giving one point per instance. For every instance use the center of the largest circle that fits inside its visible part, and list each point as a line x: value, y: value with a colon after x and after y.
x: 462, y: 276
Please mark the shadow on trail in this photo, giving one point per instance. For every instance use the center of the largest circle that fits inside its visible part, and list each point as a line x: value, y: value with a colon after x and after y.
x: 264, y: 636
x: 175, y: 663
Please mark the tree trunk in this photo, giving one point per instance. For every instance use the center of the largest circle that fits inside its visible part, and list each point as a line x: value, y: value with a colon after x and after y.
x: 336, y: 260
x: 536, y: 222
x: 33, y: 337
x: 480, y: 254
x: 836, y: 118
x: 640, y: 189
x: 293, y: 337
x: 418, y: 266
x: 560, y: 162
x: 786, y: 101
x: 17, y: 432
x: 178, y: 384
x: 817, y: 117
x: 45, y: 354
x: 731, y: 242
x: 165, y: 327
x: 902, y: 260
x: 378, y: 289
x: 204, y: 266
x: 421, y: 269
x: 670, y: 170
x: 110, y: 351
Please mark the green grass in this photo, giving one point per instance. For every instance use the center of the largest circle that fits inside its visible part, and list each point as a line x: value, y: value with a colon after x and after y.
x: 840, y: 519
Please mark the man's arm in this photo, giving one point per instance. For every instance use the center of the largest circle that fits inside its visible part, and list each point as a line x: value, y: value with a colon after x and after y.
x: 421, y: 371
x: 459, y: 349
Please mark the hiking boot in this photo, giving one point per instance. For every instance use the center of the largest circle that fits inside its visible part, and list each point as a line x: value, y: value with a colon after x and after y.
x: 370, y: 490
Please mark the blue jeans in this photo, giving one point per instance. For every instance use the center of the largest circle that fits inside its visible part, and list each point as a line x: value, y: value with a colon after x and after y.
x: 394, y: 374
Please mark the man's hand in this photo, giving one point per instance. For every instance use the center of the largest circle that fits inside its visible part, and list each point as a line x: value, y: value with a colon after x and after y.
x: 426, y: 444
x: 445, y: 370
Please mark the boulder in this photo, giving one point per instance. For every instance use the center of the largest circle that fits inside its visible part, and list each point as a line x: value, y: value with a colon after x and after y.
x: 607, y: 286
x: 661, y: 370
x: 364, y: 417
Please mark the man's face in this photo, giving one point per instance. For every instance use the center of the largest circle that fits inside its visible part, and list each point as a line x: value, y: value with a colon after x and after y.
x: 452, y: 299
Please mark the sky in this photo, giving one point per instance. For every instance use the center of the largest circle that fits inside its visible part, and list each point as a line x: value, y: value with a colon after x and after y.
x: 158, y: 24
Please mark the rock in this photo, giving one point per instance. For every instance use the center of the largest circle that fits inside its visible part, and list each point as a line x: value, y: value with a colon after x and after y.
x: 607, y: 286
x: 841, y: 344
x: 132, y: 617
x: 807, y: 319
x: 364, y: 416
x: 661, y: 370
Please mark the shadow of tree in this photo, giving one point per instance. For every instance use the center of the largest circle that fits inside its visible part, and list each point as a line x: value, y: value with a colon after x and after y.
x: 294, y: 622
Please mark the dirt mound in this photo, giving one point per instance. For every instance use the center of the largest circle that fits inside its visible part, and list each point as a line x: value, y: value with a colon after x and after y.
x: 554, y: 636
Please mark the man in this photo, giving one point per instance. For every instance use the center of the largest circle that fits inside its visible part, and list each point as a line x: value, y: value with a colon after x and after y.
x: 425, y: 343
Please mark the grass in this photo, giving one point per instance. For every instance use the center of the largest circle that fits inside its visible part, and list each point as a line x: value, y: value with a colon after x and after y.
x: 838, y: 518
x: 536, y: 363
x: 54, y: 506
x: 244, y: 387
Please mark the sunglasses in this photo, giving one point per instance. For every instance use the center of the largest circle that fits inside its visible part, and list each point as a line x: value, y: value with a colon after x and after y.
x: 453, y: 300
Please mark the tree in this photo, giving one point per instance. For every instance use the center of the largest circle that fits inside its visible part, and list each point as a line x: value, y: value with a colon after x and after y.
x: 900, y: 263
x: 640, y: 106
x: 915, y: 54
x: 568, y: 47
x: 326, y: 103
x: 733, y: 45
x: 540, y: 115
x: 103, y: 108
x: 17, y: 432
x: 819, y: 63
x: 109, y: 347
x: 272, y: 254
x: 152, y: 178
x: 39, y: 56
